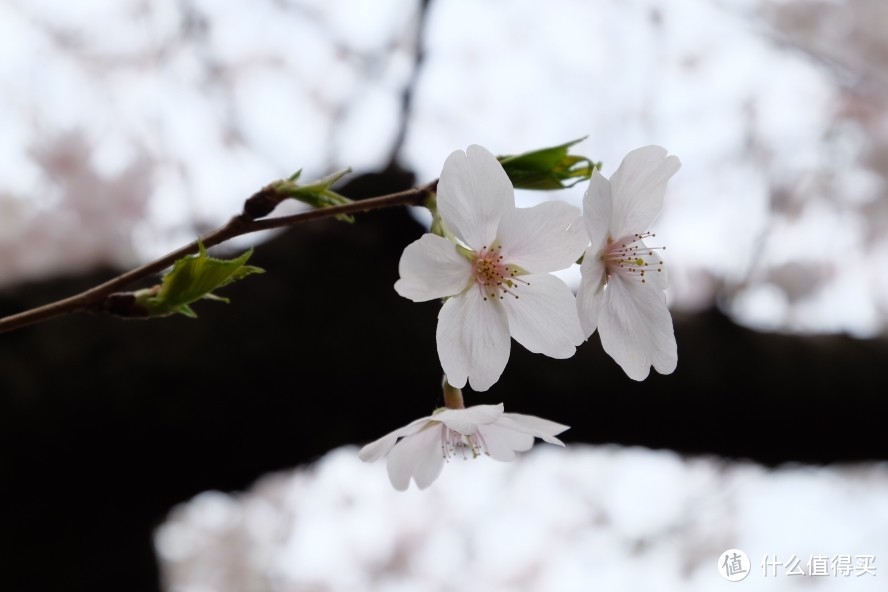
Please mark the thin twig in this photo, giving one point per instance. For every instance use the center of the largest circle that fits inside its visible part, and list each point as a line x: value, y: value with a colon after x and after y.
x: 238, y: 225
x: 408, y: 93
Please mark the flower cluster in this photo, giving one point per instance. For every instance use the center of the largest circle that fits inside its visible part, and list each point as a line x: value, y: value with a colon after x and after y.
x: 492, y: 265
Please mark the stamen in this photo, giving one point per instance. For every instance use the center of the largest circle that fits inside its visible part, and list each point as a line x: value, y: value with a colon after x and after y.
x: 631, y: 258
x: 495, y: 279
x: 453, y: 443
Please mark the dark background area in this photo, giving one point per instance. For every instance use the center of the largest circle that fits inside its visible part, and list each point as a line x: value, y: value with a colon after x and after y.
x: 106, y: 424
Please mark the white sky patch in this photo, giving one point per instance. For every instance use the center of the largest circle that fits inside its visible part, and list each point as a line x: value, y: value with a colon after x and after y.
x: 764, y: 307
x: 372, y: 122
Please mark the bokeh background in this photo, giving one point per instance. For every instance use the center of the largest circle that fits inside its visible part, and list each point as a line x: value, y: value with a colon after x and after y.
x: 129, y: 127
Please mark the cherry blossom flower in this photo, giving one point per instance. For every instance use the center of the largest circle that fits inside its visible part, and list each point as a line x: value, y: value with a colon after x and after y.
x: 621, y: 292
x: 419, y: 449
x: 493, y: 268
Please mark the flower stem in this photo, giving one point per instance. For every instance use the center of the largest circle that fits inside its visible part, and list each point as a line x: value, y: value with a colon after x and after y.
x: 92, y: 300
x: 453, y: 398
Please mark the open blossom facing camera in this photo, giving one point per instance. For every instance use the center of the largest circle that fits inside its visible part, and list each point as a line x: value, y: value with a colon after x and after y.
x: 419, y: 449
x: 621, y: 293
x: 494, y: 271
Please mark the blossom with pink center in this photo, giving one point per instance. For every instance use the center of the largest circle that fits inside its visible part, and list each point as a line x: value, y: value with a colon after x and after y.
x: 621, y: 292
x: 494, y: 270
x: 419, y: 449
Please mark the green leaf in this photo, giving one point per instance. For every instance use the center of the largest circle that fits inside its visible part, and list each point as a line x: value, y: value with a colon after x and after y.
x: 548, y: 168
x: 194, y: 278
x: 317, y: 194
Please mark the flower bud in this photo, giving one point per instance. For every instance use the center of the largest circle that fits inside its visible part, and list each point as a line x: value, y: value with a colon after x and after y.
x: 548, y: 168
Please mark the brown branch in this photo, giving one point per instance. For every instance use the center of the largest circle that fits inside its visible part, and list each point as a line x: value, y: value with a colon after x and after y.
x: 239, y: 225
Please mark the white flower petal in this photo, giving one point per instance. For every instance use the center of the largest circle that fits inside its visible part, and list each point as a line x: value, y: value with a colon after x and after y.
x: 466, y: 421
x: 431, y: 461
x: 597, y: 210
x: 636, y: 328
x: 378, y: 448
x: 544, y: 316
x: 535, y: 426
x: 473, y: 193
x: 591, y: 291
x: 638, y: 186
x: 473, y: 340
x: 501, y: 442
x: 430, y: 268
x: 419, y: 455
x: 547, y: 237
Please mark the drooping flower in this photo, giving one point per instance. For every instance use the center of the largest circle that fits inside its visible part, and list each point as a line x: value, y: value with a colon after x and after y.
x: 493, y: 268
x: 621, y: 292
x: 419, y: 449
